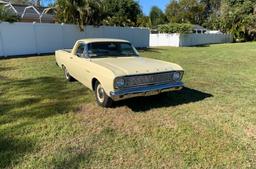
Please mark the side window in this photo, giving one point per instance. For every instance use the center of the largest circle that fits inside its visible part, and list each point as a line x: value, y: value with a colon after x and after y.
x: 80, y: 50
x: 127, y: 49
x: 125, y: 46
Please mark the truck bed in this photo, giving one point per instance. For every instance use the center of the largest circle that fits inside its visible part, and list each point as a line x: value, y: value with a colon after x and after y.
x: 67, y: 50
x: 62, y: 56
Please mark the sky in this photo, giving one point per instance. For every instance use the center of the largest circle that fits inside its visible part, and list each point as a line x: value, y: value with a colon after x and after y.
x: 145, y: 4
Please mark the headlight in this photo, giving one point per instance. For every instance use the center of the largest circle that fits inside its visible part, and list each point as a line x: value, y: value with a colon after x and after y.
x: 119, y: 83
x: 176, y: 76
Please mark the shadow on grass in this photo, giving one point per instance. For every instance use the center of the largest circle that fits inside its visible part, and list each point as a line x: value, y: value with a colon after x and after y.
x: 31, y: 100
x: 201, y: 46
x: 25, y: 56
x: 40, y: 97
x: 2, y: 69
x: 11, y: 150
x: 153, y: 50
x: 4, y: 78
x: 186, y: 95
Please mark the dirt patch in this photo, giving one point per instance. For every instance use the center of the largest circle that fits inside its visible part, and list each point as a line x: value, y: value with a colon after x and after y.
x: 124, y: 119
x: 250, y: 131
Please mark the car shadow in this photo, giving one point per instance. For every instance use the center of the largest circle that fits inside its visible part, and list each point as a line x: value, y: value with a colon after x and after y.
x: 153, y: 50
x: 184, y: 96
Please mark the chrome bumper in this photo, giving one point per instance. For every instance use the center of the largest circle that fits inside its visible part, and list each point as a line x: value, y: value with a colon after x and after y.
x: 145, y: 91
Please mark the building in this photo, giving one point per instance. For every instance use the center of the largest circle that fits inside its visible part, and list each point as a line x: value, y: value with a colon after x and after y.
x: 30, y: 13
x: 199, y: 29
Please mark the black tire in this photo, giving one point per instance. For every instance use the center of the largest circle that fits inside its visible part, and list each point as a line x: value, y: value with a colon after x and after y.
x: 101, y: 97
x: 68, y: 77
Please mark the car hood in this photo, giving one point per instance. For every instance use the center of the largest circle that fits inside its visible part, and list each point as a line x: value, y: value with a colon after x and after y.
x: 122, y: 66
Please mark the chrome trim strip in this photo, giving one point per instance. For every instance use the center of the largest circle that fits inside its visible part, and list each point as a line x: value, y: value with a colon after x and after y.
x: 145, y: 90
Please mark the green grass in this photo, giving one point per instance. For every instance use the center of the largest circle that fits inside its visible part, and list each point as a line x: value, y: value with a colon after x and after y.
x: 46, y: 122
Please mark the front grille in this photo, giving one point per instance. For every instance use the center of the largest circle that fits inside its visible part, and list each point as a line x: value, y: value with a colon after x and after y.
x: 149, y: 79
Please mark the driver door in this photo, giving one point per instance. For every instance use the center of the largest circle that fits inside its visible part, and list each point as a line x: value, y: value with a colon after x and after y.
x: 81, y: 65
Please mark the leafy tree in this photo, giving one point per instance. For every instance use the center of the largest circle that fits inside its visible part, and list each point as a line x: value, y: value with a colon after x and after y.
x: 211, y: 6
x: 19, y: 1
x: 188, y: 11
x: 173, y: 12
x: 144, y: 21
x: 6, y: 15
x: 157, y: 16
x: 98, y: 12
x: 121, y: 13
x: 238, y: 17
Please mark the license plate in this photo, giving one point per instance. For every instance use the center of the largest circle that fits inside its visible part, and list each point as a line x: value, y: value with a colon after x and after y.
x: 151, y: 93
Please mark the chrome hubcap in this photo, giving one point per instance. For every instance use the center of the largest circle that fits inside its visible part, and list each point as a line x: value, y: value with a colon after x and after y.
x: 66, y: 74
x: 100, y: 93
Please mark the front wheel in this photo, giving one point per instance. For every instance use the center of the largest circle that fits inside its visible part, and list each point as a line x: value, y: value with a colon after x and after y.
x: 101, y: 96
x: 67, y: 75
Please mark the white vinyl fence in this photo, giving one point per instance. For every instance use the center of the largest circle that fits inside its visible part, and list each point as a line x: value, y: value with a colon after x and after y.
x: 179, y: 40
x: 39, y: 38
x: 164, y: 40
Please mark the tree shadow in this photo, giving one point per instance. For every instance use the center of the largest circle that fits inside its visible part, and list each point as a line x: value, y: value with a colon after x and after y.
x: 4, y: 78
x: 25, y: 56
x: 201, y: 46
x: 12, y: 149
x: 44, y: 97
x: 153, y: 50
x: 186, y: 95
x: 3, y: 69
x: 33, y: 100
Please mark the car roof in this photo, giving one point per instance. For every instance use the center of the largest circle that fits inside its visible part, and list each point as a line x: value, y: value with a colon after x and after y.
x: 92, y: 40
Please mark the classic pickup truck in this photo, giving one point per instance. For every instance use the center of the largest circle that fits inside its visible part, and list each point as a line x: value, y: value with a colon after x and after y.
x: 113, y: 69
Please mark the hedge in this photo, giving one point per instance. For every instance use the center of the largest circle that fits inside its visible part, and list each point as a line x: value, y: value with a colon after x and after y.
x: 175, y: 28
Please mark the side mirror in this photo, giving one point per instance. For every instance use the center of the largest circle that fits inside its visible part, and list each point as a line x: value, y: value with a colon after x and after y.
x: 84, y: 55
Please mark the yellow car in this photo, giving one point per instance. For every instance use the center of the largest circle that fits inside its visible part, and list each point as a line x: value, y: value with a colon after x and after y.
x: 113, y: 69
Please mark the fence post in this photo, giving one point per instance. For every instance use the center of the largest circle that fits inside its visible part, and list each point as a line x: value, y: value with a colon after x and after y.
x: 180, y: 40
x: 2, y: 42
x: 62, y: 35
x: 35, y: 37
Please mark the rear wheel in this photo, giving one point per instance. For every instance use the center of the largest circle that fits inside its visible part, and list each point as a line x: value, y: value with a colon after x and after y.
x: 101, y: 96
x: 67, y: 75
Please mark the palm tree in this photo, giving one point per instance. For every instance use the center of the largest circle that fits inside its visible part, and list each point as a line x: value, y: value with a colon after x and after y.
x: 79, y: 12
x: 6, y: 15
x: 37, y: 3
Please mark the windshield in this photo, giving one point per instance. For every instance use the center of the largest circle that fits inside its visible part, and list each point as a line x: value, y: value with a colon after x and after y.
x: 110, y: 49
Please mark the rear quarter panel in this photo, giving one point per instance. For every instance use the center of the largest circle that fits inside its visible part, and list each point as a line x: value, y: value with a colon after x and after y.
x: 61, y: 57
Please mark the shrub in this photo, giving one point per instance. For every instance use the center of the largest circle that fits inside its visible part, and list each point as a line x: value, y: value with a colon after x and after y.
x: 7, y: 16
x: 175, y: 28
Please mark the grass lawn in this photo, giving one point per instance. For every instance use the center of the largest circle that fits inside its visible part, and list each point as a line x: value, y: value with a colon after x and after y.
x: 46, y: 122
